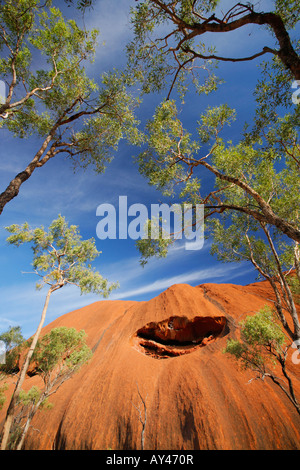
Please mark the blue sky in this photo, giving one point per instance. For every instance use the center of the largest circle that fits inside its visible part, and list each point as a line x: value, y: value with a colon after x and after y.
x: 55, y: 189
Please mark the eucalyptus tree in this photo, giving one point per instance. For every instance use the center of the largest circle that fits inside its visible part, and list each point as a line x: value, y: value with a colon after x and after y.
x: 261, y: 347
x: 162, y: 32
x: 250, y: 188
x: 57, y: 357
x: 171, y: 39
x: 252, y: 209
x: 60, y: 258
x: 50, y: 96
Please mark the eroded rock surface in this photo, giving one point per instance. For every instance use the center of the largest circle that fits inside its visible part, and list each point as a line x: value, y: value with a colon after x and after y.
x: 195, y: 398
x: 176, y: 335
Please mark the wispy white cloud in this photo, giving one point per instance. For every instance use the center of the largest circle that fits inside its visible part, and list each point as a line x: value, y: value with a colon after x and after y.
x: 130, y: 270
x: 113, y: 21
x: 5, y: 323
x: 22, y: 304
x: 198, y: 276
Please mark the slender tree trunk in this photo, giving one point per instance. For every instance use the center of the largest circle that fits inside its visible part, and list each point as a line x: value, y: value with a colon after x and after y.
x: 22, y: 375
x: 291, y: 387
x: 290, y: 395
x: 286, y: 291
x: 25, y: 430
x: 279, y: 309
x: 28, y: 421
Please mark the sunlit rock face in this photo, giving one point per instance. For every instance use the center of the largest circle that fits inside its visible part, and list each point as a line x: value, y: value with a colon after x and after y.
x: 159, y: 378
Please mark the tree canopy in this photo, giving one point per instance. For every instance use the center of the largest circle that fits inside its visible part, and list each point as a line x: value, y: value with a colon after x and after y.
x: 249, y: 188
x: 81, y: 117
x: 61, y: 257
x: 169, y: 42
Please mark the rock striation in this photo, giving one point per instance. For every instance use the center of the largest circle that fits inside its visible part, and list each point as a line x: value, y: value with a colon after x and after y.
x: 159, y: 378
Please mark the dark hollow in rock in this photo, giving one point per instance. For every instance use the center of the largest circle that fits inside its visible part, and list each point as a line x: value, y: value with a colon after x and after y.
x: 176, y: 335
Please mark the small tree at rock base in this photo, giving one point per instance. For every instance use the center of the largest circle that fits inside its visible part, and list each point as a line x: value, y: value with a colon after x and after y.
x: 12, y: 340
x: 60, y: 258
x: 262, y: 346
x: 57, y: 357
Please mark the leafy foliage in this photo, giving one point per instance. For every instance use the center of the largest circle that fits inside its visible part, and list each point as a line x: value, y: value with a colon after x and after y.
x: 61, y: 257
x: 155, y: 60
x: 80, y: 117
x: 249, y: 187
x: 263, y: 344
x: 81, y: 4
x: 252, y: 182
x: 12, y: 337
x: 3, y: 388
x: 295, y: 288
x: 157, y: 241
x: 262, y: 339
x: 57, y: 357
x: 170, y: 47
x: 59, y: 354
x: 32, y: 397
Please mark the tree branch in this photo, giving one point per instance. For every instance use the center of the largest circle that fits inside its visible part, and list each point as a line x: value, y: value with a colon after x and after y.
x: 228, y: 59
x: 266, y: 215
x: 235, y: 19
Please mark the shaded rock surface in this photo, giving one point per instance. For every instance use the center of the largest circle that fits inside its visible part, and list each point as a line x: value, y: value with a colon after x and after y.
x: 164, y: 357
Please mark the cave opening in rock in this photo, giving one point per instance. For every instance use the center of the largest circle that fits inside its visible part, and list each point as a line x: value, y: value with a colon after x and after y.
x: 178, y: 335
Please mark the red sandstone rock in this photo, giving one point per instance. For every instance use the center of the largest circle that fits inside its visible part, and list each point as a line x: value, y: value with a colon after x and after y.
x: 169, y: 352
